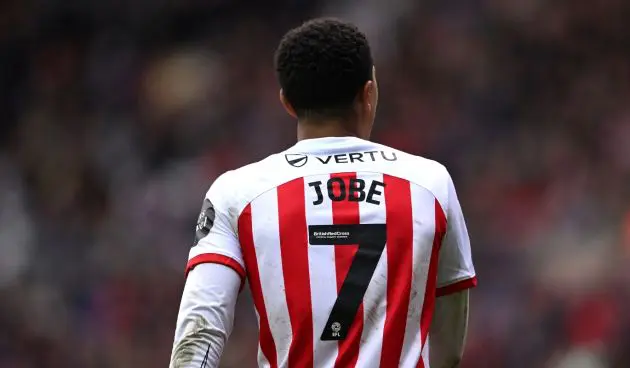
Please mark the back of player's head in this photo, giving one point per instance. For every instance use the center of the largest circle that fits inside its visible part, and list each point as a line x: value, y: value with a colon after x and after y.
x: 322, y: 66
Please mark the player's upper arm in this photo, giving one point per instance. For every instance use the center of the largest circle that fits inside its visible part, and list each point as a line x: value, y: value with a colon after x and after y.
x: 216, y: 240
x: 455, y: 269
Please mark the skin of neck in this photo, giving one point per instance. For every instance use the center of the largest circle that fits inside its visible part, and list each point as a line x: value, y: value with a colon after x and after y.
x: 321, y: 129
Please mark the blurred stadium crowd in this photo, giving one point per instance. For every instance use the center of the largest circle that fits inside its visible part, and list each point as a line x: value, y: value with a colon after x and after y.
x: 117, y: 116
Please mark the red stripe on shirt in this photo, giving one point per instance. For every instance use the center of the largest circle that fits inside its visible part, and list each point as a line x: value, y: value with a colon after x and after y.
x: 218, y: 259
x: 347, y: 213
x: 429, y: 294
x: 246, y: 237
x: 294, y: 254
x: 456, y: 287
x: 400, y: 266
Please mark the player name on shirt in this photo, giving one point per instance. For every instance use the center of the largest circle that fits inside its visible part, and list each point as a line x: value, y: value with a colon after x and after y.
x: 355, y: 191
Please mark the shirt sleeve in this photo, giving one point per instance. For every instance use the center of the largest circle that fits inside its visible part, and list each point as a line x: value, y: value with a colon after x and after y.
x: 215, y: 234
x: 455, y: 268
x: 206, y: 317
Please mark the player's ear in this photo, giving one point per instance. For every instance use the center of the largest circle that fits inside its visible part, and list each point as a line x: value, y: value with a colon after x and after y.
x: 375, y: 95
x: 369, y: 96
x: 287, y: 106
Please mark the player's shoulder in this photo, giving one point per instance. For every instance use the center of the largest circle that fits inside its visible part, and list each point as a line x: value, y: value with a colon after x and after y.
x: 259, y: 174
x: 240, y: 186
x: 415, y: 168
x: 421, y: 171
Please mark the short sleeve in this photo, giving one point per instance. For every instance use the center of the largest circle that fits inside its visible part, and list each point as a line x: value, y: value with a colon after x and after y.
x: 215, y: 235
x: 455, y: 268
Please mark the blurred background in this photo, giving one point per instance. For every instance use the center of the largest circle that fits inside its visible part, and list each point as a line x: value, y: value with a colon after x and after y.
x: 116, y: 116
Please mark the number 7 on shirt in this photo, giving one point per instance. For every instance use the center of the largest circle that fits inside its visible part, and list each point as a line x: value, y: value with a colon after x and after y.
x: 371, y: 240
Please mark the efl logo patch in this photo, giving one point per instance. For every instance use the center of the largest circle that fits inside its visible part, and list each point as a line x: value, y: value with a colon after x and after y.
x: 204, y: 221
x: 296, y: 159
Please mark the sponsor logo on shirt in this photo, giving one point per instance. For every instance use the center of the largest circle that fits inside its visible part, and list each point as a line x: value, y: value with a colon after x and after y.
x: 300, y: 159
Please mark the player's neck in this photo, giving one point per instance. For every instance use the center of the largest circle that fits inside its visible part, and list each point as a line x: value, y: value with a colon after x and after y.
x: 306, y: 130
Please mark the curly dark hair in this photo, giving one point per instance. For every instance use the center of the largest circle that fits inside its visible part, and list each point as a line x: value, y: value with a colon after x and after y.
x: 321, y: 67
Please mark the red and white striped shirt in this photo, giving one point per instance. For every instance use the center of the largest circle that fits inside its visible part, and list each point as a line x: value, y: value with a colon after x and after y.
x: 345, y: 244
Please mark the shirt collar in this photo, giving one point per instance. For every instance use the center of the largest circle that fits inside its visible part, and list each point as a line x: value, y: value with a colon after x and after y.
x: 328, y: 144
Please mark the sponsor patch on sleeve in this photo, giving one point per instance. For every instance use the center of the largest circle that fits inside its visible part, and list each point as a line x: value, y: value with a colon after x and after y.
x: 204, y: 221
